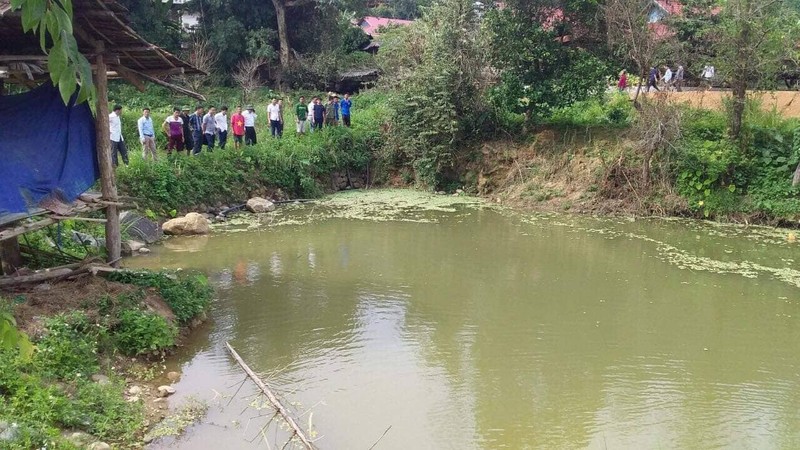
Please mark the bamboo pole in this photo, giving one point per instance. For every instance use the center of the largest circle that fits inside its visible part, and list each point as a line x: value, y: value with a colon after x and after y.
x: 107, y: 182
x: 272, y: 399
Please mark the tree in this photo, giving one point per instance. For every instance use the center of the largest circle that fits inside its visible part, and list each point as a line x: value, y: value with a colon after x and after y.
x: 438, y: 104
x: 154, y: 21
x: 752, y: 39
x: 696, y: 29
x: 539, y: 71
x: 630, y: 34
x: 247, y: 76
x: 202, y: 56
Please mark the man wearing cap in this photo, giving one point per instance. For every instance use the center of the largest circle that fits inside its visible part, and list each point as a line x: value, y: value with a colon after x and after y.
x: 117, y: 141
x: 237, y: 126
x: 187, y: 143
x: 173, y: 127
x: 147, y: 135
x: 250, y: 117
x: 196, y: 126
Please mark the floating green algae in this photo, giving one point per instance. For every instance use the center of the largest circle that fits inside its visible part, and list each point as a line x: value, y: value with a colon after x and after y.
x: 380, y: 205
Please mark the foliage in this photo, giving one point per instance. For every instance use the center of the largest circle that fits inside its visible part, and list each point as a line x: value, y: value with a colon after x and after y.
x: 538, y: 72
x: 187, y: 296
x: 101, y: 409
x: 437, y: 107
x: 611, y: 111
x: 52, y: 22
x: 11, y: 338
x: 142, y: 332
x: 154, y: 22
x: 69, y: 347
x: 696, y: 34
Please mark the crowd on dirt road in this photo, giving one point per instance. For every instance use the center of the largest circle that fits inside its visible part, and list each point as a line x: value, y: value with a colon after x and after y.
x: 210, y: 128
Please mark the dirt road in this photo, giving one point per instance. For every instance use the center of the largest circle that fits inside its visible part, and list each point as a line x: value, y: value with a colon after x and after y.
x: 787, y: 103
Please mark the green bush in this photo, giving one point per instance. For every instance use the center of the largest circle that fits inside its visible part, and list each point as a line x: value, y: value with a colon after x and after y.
x: 69, y: 346
x: 101, y: 410
x: 612, y: 111
x: 142, y: 332
x: 187, y: 296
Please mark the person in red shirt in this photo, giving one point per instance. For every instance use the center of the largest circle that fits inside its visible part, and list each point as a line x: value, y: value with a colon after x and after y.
x: 173, y: 127
x: 623, y: 81
x: 237, y: 126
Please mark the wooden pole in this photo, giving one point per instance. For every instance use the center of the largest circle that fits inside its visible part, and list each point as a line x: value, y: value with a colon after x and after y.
x: 272, y: 399
x: 108, y: 185
x: 10, y: 256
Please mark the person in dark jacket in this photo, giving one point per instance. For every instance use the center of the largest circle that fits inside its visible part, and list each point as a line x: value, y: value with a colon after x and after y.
x: 188, y: 143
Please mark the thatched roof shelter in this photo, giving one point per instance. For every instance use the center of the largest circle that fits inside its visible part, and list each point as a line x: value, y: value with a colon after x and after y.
x: 128, y: 55
x: 115, y: 50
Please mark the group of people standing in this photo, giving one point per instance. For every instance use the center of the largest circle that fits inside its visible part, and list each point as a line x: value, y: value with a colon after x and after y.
x: 667, y: 79
x: 191, y: 132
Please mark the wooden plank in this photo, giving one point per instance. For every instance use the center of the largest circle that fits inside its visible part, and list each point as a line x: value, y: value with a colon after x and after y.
x: 107, y: 180
x: 297, y: 431
x: 22, y: 229
x: 49, y: 274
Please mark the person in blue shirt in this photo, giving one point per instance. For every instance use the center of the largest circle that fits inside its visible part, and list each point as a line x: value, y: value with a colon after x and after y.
x: 196, y: 125
x: 147, y: 135
x: 319, y: 114
x: 346, y: 105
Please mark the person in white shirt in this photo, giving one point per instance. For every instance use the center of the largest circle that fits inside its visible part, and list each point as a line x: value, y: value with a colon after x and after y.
x: 274, y: 114
x: 667, y: 78
x: 311, y: 115
x: 117, y: 141
x: 250, y: 117
x: 147, y: 135
x: 222, y: 126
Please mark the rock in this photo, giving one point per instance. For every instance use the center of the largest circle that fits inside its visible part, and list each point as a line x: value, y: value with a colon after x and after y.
x: 42, y: 287
x: 144, y: 250
x: 8, y: 431
x: 135, y: 390
x: 165, y: 391
x: 459, y: 191
x: 135, y: 245
x: 133, y: 399
x: 221, y: 218
x: 88, y: 239
x: 79, y: 439
x: 259, y: 205
x: 100, y: 379
x: 139, y: 227
x: 99, y: 445
x: 173, y: 376
x: 158, y: 400
x: 192, y: 223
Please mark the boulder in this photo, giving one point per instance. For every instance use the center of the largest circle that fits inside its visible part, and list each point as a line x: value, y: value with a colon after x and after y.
x: 165, y: 391
x: 260, y: 205
x: 8, y: 431
x: 87, y: 239
x: 135, y: 245
x: 139, y: 227
x: 135, y: 390
x: 144, y: 250
x: 173, y: 376
x: 192, y: 223
x: 99, y: 445
x: 100, y: 379
x: 79, y: 439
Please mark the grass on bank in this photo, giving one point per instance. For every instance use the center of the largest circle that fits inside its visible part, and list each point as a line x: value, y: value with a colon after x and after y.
x: 51, y: 392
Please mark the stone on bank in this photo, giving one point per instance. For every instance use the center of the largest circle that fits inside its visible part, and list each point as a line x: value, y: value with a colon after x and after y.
x: 192, y: 223
x: 259, y: 205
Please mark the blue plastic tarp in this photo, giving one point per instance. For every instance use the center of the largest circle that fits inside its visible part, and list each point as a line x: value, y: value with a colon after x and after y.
x: 46, y: 149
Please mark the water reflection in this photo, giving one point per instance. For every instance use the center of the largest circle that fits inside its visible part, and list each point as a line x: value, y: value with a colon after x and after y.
x: 484, y: 330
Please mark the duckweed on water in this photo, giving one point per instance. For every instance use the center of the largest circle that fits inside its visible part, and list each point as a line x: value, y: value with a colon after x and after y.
x: 375, y: 205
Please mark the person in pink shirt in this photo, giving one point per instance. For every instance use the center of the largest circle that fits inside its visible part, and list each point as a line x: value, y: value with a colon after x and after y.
x: 173, y: 127
x: 237, y: 126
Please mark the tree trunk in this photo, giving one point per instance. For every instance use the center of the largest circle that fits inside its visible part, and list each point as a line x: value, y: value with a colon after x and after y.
x: 283, y: 33
x: 741, y: 72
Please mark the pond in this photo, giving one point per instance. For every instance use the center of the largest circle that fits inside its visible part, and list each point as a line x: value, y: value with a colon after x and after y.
x: 453, y: 323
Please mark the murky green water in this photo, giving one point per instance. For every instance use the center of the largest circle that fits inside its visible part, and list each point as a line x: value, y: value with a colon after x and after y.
x: 469, y: 327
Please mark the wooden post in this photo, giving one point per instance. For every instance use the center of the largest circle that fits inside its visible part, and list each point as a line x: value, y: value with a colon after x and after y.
x: 108, y: 185
x: 10, y: 257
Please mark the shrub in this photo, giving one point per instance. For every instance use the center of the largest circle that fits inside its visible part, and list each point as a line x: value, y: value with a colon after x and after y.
x: 610, y: 111
x: 101, y: 410
x: 187, y: 296
x: 141, y: 332
x: 69, y: 346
